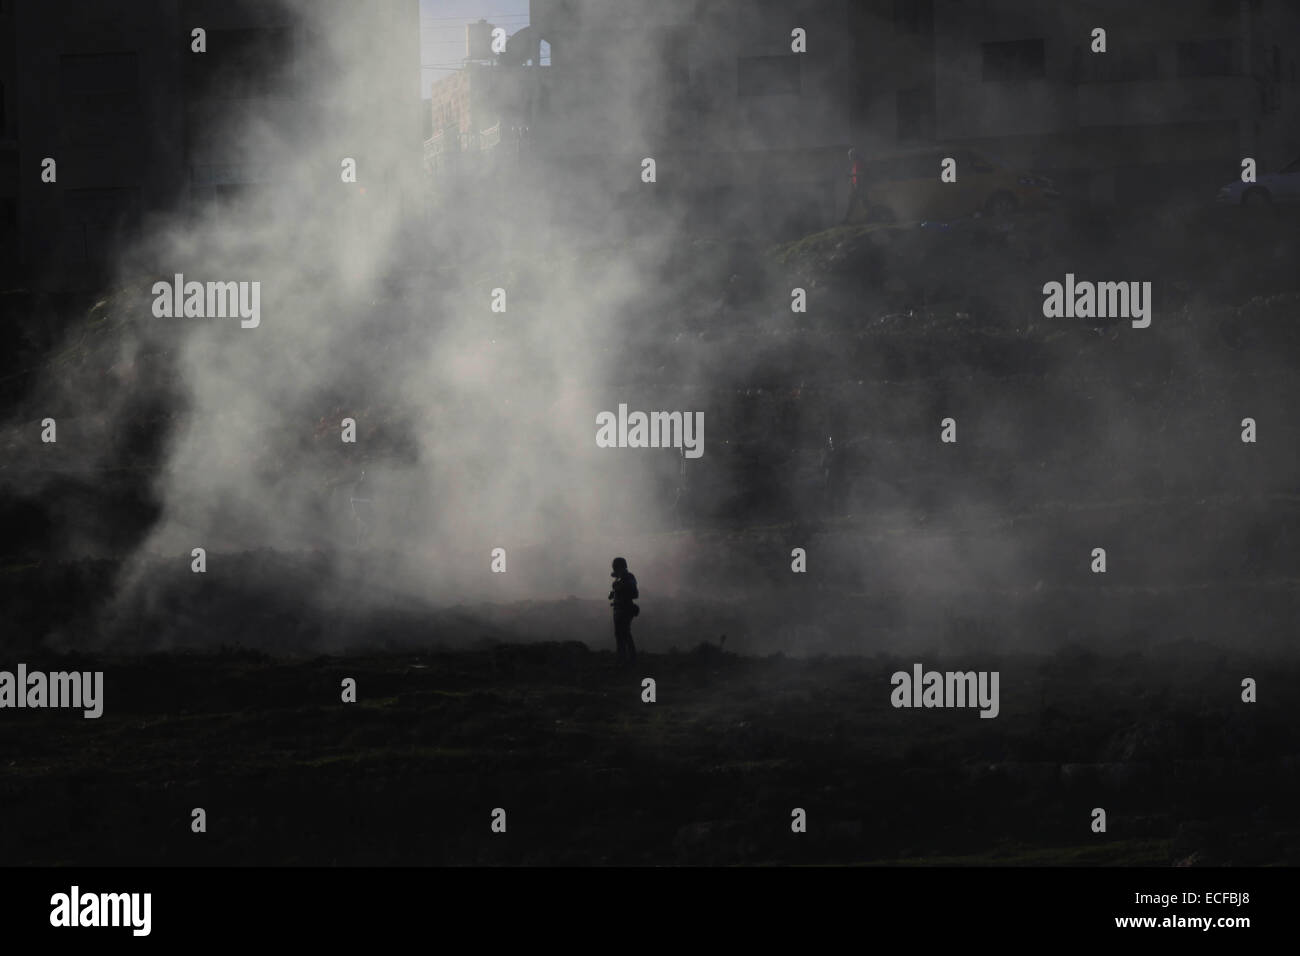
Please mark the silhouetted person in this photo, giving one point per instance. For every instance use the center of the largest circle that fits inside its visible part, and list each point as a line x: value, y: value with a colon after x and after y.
x: 620, y: 599
x: 857, y: 182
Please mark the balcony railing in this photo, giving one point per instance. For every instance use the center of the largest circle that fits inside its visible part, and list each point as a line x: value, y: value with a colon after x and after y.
x: 449, y: 151
x: 434, y: 147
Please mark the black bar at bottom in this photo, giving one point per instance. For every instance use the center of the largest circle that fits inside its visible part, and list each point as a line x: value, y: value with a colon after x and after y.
x: 334, y: 906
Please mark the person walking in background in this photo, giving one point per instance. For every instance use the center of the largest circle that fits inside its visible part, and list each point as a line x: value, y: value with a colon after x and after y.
x: 621, y: 596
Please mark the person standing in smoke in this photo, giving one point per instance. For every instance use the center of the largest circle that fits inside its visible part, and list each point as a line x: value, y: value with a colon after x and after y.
x: 622, y: 595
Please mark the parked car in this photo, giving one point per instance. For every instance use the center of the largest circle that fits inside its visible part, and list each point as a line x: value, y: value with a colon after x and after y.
x: 1279, y: 188
x: 905, y: 186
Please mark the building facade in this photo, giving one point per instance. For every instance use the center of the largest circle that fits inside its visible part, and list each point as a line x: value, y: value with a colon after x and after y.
x: 140, y: 124
x: 737, y: 119
x: 1184, y: 90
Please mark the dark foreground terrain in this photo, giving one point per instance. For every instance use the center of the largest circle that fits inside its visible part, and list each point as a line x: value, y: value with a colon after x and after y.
x: 708, y: 774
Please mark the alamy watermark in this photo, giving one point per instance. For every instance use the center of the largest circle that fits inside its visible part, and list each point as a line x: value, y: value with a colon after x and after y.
x: 949, y: 689
x: 75, y: 908
x: 1098, y: 300
x: 684, y: 430
x: 74, y: 689
x: 211, y: 300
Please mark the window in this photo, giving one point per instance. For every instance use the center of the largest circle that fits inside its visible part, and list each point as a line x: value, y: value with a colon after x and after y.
x: 1205, y: 57
x: 1014, y: 61
x: 765, y: 75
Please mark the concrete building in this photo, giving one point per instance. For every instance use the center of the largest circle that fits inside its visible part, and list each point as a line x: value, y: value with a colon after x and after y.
x: 738, y: 121
x: 90, y: 98
x: 478, y: 115
x: 746, y: 131
x: 1184, y: 90
x: 138, y: 123
x: 475, y: 115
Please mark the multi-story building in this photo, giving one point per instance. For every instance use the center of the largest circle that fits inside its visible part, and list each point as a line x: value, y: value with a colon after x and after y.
x: 737, y: 120
x: 140, y: 124
x: 90, y: 99
x: 1185, y: 89
x: 478, y: 114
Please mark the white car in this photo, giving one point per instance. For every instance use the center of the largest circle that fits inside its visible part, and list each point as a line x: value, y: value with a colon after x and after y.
x: 1270, y: 189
